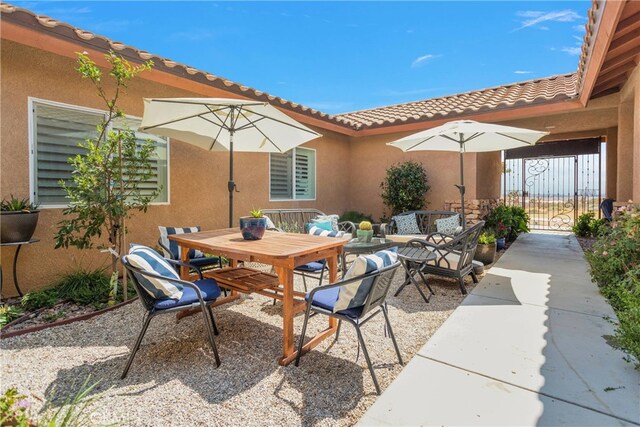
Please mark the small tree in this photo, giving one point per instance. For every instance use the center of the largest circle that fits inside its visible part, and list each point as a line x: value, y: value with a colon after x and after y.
x: 105, y: 182
x: 404, y: 187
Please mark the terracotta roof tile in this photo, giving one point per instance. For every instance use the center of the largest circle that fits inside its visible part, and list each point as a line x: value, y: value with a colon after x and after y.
x: 514, y: 95
x: 508, y: 96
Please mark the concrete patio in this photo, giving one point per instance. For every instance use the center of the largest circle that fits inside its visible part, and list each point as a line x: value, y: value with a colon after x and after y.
x: 528, y: 346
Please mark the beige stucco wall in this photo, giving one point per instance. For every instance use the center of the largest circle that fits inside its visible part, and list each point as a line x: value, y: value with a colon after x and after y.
x: 612, y: 163
x: 628, y: 183
x: 198, y: 179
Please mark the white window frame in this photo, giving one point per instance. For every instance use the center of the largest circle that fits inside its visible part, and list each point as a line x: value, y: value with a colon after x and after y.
x: 293, y: 177
x: 32, y: 148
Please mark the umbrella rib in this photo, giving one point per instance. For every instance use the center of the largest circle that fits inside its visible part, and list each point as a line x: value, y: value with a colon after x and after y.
x: 175, y: 101
x: 418, y: 143
x: 259, y: 130
x: 223, y: 125
x: 173, y: 121
x: 513, y: 137
x: 283, y: 122
x: 250, y: 124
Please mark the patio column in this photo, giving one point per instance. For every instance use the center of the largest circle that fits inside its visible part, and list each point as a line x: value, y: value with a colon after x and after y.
x: 611, y: 157
x: 636, y: 143
x: 625, y: 152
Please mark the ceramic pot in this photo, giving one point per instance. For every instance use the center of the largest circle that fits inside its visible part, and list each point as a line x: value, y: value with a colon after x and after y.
x: 501, y: 242
x: 253, y: 228
x: 17, y: 226
x: 364, y: 236
x: 486, y: 254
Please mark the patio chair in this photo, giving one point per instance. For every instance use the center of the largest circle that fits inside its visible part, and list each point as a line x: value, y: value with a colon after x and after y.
x: 607, y: 209
x: 369, y: 294
x: 153, y: 279
x: 454, y: 254
x: 197, y: 260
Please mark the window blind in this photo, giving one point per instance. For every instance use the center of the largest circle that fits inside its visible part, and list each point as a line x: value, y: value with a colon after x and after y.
x: 293, y: 175
x: 281, y: 175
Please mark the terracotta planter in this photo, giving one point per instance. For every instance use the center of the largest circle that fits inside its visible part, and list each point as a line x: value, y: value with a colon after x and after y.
x: 486, y: 254
x: 252, y: 228
x: 17, y: 226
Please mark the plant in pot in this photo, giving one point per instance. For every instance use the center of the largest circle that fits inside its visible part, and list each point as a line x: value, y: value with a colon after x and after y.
x: 501, y: 232
x: 254, y: 225
x: 486, y: 249
x: 364, y: 232
x: 19, y: 220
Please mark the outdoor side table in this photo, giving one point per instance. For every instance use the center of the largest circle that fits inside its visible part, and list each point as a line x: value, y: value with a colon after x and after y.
x: 354, y: 247
x: 15, y: 262
x: 413, y: 259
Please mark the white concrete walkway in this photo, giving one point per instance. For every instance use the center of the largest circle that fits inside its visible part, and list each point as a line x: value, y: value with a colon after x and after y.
x: 527, y: 347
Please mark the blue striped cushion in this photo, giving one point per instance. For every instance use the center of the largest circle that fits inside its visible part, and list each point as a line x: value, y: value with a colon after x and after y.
x: 151, y: 261
x: 165, y: 232
x: 317, y: 231
x: 355, y: 293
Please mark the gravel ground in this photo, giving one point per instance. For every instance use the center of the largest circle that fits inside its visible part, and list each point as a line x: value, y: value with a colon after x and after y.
x: 173, y: 380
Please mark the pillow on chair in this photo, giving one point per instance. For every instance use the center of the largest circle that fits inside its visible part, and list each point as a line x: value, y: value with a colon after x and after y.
x: 324, y: 218
x: 151, y: 261
x: 407, y: 224
x: 355, y: 293
x: 450, y: 225
x: 165, y: 232
x: 317, y: 231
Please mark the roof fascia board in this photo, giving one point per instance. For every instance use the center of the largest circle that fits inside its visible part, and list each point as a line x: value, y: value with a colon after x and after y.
x: 605, y: 28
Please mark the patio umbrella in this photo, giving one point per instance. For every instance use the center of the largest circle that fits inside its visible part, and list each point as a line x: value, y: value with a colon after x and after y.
x: 219, y: 124
x: 467, y: 136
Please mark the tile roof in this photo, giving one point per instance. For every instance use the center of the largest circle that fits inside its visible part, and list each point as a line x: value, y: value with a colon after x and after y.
x: 509, y: 96
x: 514, y: 95
x: 593, y: 15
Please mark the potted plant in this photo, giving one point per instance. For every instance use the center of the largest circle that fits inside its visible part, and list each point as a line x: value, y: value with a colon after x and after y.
x: 19, y: 220
x: 254, y: 225
x: 486, y: 250
x: 501, y: 235
x: 364, y: 232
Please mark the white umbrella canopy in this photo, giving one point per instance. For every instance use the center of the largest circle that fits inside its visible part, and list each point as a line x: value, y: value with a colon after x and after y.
x: 468, y: 136
x: 220, y: 124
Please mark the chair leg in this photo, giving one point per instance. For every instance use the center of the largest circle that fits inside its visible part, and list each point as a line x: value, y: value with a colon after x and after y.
x: 210, y: 332
x: 321, y: 276
x: 474, y: 276
x: 338, y: 329
x: 463, y: 288
x: 304, y: 331
x: 366, y: 356
x: 304, y: 281
x: 393, y: 337
x: 145, y: 325
x: 213, y: 320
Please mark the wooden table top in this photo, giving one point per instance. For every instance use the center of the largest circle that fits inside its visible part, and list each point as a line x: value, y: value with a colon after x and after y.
x: 274, y: 244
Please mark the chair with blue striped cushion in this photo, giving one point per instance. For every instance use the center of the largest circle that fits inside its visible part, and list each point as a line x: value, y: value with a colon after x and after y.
x: 161, y: 291
x: 172, y: 250
x: 316, y: 267
x: 357, y: 298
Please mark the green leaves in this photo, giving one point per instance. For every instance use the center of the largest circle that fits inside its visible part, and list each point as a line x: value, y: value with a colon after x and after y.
x: 404, y: 187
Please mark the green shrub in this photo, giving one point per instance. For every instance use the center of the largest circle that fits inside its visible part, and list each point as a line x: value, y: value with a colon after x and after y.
x: 85, y: 287
x: 45, y: 298
x: 14, y: 409
x: 404, y: 187
x: 355, y: 217
x: 615, y: 266
x: 487, y: 238
x: 588, y: 225
x: 9, y: 313
x: 508, y: 221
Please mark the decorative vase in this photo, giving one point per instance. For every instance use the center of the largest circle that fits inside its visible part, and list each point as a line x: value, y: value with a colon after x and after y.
x: 253, y: 228
x: 501, y: 243
x: 17, y: 226
x: 486, y: 254
x: 364, y: 236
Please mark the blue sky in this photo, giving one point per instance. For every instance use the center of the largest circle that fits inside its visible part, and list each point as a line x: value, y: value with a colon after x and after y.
x: 338, y: 57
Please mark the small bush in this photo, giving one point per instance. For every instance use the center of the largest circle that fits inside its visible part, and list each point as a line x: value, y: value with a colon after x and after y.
x: 45, y: 298
x: 9, y: 313
x: 588, y: 225
x: 355, y: 217
x: 487, y: 238
x: 615, y: 267
x: 404, y: 187
x: 508, y: 221
x: 85, y: 287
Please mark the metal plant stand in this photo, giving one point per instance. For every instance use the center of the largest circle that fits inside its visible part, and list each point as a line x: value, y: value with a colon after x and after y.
x: 413, y: 259
x: 15, y: 262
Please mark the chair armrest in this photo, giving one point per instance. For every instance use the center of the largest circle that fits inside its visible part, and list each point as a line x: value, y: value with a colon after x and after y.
x: 177, y: 263
x: 165, y: 249
x: 347, y: 226
x: 383, y: 229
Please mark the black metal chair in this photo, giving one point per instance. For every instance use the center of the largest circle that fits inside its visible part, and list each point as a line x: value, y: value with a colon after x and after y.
x: 195, y: 263
x: 322, y: 300
x: 454, y: 254
x: 199, y: 294
x: 606, y: 207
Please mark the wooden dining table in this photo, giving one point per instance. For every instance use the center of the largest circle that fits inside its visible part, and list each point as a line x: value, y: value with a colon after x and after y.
x: 285, y: 252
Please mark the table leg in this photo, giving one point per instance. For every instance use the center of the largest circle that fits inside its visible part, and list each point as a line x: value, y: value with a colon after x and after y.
x: 333, y: 278
x: 184, y: 257
x: 286, y: 280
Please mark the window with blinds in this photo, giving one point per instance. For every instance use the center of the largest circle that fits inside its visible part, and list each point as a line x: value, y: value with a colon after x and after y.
x: 293, y: 175
x: 57, y: 132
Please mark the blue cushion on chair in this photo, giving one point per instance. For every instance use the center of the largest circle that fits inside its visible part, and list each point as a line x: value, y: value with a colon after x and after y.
x: 150, y: 261
x: 311, y: 267
x: 208, y: 287
x: 165, y: 232
x: 204, y: 261
x: 327, y: 298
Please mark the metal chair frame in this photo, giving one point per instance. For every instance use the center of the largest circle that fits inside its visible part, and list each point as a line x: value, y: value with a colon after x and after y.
x: 380, y: 285
x: 166, y: 250
x: 148, y: 303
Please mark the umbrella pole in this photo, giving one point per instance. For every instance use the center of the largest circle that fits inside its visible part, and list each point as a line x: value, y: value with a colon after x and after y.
x: 461, y: 186
x: 231, y: 184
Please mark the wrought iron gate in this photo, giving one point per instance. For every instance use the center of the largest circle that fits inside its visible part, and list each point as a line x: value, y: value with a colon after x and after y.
x: 554, y: 182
